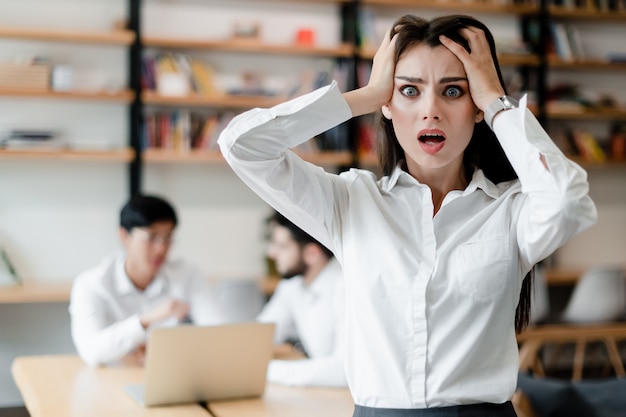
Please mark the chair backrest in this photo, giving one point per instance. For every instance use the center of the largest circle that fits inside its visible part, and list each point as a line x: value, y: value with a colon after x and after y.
x: 540, y: 301
x: 239, y: 300
x: 599, y: 296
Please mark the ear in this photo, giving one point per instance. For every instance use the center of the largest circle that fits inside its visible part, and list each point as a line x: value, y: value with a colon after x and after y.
x: 124, y: 236
x: 386, y: 112
x: 480, y: 115
x: 311, y: 253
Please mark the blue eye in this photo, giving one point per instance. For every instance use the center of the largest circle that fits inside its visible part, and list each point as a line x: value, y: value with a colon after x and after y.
x: 453, y: 92
x: 409, y: 91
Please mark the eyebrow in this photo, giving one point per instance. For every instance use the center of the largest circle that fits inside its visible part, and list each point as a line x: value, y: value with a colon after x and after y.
x: 418, y: 80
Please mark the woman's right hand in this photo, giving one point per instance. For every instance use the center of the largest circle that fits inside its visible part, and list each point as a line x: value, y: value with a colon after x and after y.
x: 379, y: 88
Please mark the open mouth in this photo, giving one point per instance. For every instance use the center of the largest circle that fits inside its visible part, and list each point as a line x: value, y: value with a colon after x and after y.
x: 431, y: 139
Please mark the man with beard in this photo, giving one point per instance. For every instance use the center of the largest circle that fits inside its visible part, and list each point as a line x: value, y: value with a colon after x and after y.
x: 307, y: 307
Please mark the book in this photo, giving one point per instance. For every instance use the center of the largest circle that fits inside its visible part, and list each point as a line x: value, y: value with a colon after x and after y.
x: 588, y: 146
x: 561, y: 41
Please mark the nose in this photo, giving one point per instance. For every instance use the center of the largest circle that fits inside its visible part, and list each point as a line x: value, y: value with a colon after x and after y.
x: 430, y: 106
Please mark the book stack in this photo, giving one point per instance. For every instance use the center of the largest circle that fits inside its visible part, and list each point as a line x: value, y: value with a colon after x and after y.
x: 177, y: 75
x: 183, y: 130
x: 566, y: 42
x: 32, y: 77
x: 30, y: 138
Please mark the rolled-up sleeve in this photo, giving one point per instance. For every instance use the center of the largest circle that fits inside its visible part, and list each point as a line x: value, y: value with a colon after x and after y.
x: 555, y: 205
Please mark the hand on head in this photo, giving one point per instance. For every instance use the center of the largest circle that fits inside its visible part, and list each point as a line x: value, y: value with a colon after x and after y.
x: 381, y: 80
x: 479, y: 66
x: 379, y: 88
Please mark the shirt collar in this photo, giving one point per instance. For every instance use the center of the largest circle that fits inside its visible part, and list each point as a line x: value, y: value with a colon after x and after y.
x: 330, y: 272
x: 478, y: 181
x: 124, y: 285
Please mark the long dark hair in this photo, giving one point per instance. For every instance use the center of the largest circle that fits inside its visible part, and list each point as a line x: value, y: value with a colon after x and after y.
x: 484, y: 151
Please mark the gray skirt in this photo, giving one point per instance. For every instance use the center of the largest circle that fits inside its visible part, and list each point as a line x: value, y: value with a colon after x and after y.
x: 472, y: 410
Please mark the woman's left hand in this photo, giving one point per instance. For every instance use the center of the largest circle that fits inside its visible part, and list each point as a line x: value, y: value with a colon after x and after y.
x: 479, y: 66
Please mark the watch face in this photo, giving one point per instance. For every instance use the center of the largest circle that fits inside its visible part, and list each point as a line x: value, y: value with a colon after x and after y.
x: 502, y: 103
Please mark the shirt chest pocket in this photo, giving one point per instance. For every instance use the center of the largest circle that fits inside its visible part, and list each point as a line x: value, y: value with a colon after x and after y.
x: 481, y: 268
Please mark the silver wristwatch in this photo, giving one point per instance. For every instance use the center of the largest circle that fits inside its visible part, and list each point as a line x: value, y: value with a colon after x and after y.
x: 501, y: 104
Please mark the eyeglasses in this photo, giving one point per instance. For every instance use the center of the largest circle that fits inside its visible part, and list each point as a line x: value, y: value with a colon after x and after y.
x: 155, y: 238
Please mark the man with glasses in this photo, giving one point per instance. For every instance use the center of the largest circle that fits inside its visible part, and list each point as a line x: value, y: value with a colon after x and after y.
x: 115, y: 304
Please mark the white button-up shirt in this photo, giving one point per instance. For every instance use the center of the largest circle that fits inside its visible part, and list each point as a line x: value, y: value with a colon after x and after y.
x: 314, y: 315
x: 430, y: 300
x: 105, y: 306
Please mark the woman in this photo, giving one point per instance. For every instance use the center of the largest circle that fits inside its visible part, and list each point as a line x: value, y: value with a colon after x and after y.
x: 434, y: 252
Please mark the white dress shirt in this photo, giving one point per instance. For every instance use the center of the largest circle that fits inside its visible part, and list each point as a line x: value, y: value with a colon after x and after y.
x: 313, y: 314
x: 105, y: 306
x: 430, y: 300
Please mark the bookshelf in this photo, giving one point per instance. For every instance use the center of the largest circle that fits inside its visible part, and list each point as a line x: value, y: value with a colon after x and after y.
x: 223, y: 101
x: 35, y: 292
x: 344, y: 50
x: 124, y: 96
x: 167, y: 156
x: 67, y: 155
x: 579, y: 59
x: 456, y: 6
x: 114, y: 37
x: 222, y: 51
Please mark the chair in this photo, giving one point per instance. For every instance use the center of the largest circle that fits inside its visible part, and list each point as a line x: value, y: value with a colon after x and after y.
x: 592, y: 315
x: 239, y: 300
x: 599, y: 297
x: 540, y: 302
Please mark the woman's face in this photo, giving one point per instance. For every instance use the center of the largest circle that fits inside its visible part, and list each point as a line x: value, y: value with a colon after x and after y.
x: 432, y: 112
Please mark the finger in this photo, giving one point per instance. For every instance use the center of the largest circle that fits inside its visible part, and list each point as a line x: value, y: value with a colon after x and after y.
x: 454, y: 47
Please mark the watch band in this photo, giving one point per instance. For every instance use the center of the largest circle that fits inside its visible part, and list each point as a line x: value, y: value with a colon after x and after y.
x: 499, y: 105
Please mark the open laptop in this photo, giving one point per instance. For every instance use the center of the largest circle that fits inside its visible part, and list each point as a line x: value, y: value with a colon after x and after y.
x: 187, y: 364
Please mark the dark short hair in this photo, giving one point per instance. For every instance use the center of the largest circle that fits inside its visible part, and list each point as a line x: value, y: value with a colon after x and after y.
x: 484, y: 150
x: 299, y: 235
x: 145, y: 210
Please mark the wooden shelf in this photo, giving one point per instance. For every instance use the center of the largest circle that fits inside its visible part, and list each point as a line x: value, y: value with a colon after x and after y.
x: 345, y: 50
x: 584, y: 13
x: 328, y: 158
x: 124, y: 96
x: 588, y: 114
x: 35, y: 293
x: 221, y: 101
x: 458, y: 6
x: 517, y: 60
x: 511, y: 60
x: 115, y: 37
x: 119, y: 155
x: 589, y: 165
x: 586, y: 64
x: 167, y: 156
x: 563, y: 276
x: 213, y: 157
x: 368, y: 160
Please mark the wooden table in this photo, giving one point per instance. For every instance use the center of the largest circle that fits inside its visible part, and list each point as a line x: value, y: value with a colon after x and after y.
x: 279, y: 401
x: 63, y: 386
